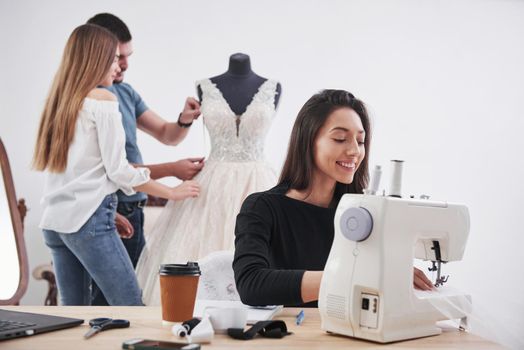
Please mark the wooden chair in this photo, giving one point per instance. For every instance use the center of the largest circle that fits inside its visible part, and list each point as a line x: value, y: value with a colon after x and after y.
x: 14, y: 213
x: 46, y: 273
x: 18, y: 211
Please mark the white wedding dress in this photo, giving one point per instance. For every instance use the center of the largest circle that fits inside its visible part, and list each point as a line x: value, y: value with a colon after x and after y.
x: 193, y: 228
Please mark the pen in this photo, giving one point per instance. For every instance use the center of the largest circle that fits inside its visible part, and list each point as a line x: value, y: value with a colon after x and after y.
x: 300, y: 318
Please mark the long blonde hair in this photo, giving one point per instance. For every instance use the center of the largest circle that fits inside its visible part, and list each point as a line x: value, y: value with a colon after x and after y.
x: 88, y: 55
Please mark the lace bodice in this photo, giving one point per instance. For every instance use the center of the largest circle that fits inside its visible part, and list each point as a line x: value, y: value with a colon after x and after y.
x: 237, y: 138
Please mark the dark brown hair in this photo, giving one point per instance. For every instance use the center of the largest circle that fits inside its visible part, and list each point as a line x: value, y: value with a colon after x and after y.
x: 297, y: 171
x: 114, y: 24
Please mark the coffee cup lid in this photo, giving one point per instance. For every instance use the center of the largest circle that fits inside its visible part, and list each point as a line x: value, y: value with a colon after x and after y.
x: 189, y: 269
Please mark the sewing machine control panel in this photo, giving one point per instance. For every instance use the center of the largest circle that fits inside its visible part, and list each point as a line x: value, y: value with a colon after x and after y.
x: 369, y: 310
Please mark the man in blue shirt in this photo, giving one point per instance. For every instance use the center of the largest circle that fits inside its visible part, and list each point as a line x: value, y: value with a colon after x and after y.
x: 136, y: 114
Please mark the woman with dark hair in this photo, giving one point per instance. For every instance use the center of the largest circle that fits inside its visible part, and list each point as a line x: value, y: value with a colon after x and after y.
x: 284, y: 235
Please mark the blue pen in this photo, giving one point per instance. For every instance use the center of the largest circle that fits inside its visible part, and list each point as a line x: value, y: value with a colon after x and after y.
x: 300, y: 318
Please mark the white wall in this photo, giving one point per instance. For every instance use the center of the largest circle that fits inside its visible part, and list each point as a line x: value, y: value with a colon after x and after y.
x: 444, y: 81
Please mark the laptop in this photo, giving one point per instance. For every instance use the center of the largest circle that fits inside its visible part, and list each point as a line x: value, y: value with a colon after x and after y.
x: 14, y: 324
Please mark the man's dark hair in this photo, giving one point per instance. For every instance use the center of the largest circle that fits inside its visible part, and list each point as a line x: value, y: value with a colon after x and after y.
x: 114, y: 24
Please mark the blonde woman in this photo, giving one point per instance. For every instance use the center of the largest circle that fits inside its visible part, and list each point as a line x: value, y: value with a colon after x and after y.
x: 80, y: 145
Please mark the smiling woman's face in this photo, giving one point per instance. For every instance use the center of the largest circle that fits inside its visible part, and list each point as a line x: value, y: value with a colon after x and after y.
x: 339, y: 147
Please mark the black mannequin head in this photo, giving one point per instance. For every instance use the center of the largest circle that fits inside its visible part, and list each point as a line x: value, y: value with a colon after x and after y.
x: 239, y: 64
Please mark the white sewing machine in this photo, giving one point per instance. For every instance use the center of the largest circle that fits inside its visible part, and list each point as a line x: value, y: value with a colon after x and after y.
x: 367, y: 286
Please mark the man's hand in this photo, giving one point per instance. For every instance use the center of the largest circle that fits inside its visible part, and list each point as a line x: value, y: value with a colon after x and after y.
x: 186, y: 169
x: 124, y: 227
x: 420, y: 281
x: 191, y: 110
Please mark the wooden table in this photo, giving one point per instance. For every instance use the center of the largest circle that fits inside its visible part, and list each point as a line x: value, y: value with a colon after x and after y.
x: 146, y: 323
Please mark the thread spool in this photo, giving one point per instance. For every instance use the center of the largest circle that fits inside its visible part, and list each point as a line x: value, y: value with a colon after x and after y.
x: 184, y: 329
x: 179, y: 330
x: 395, y: 186
x: 375, y: 181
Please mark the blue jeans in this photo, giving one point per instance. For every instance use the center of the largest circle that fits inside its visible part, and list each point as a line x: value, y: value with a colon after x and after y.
x: 133, y: 211
x: 94, y: 253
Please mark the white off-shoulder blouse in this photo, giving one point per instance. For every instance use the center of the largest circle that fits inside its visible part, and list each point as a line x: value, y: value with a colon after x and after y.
x: 96, y: 166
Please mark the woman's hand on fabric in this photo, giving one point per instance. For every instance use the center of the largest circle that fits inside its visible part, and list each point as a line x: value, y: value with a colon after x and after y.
x: 187, y: 189
x: 123, y: 226
x: 420, y: 281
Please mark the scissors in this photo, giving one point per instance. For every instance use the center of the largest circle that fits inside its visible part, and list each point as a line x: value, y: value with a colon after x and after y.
x: 102, y: 323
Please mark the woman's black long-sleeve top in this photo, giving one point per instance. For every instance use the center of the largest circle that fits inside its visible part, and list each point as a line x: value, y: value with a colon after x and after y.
x: 277, y: 239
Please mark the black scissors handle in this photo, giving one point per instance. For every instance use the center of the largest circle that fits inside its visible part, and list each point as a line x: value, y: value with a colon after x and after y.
x: 102, y: 323
x: 115, y: 324
x: 97, y: 322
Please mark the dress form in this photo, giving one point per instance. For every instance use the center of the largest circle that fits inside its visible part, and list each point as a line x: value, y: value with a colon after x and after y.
x: 239, y: 84
x: 190, y: 230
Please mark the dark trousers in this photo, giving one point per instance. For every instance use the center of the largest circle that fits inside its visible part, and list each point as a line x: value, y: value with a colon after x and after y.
x: 134, y: 212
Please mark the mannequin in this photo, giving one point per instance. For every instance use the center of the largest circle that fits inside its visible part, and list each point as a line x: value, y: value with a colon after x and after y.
x: 239, y: 84
x: 238, y: 108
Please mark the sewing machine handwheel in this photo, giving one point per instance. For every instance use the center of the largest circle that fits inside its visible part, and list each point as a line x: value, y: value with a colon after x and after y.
x: 356, y: 224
